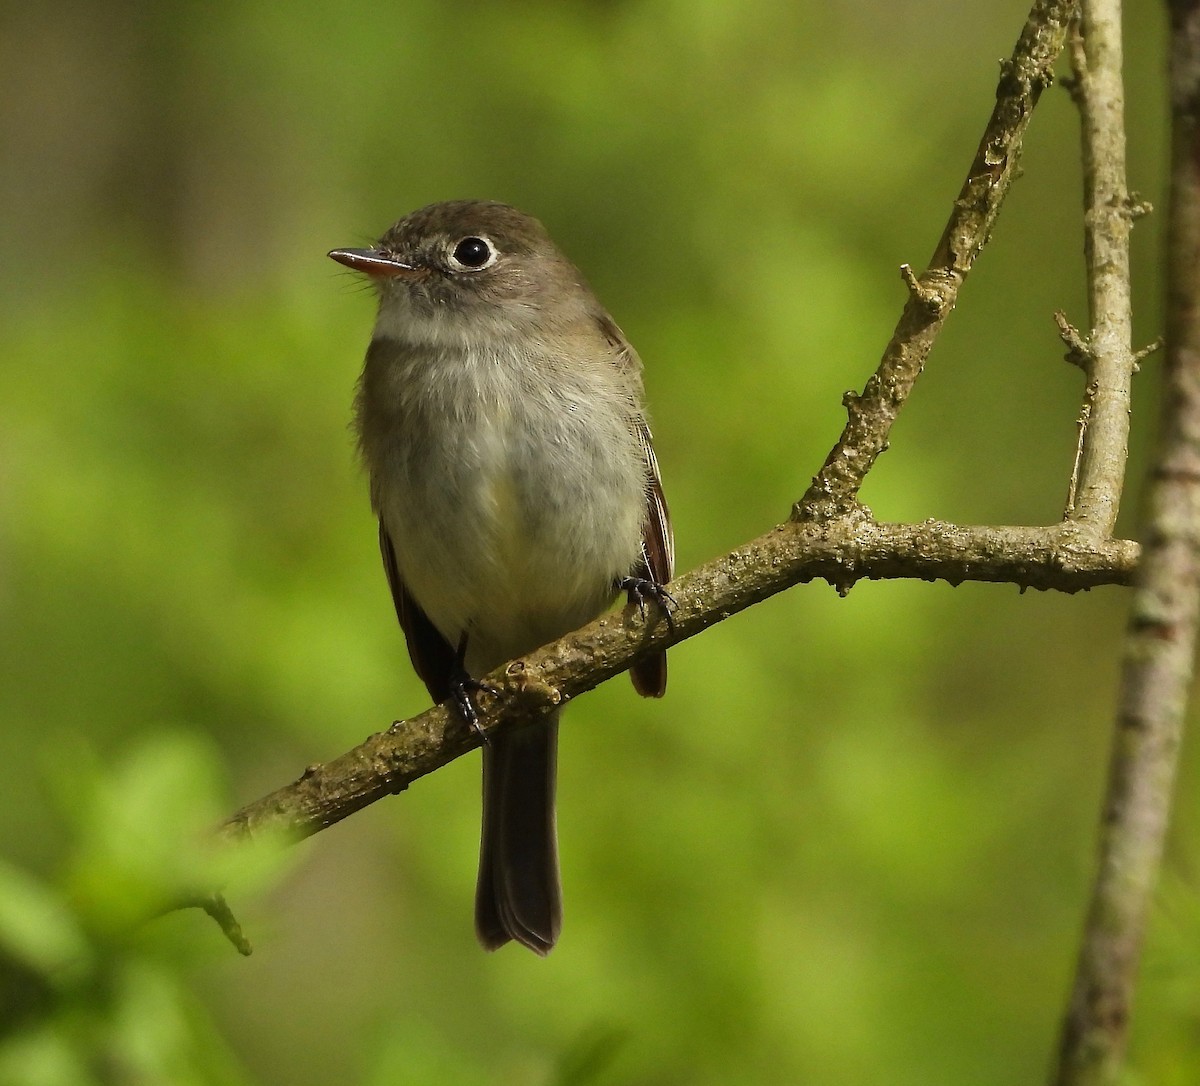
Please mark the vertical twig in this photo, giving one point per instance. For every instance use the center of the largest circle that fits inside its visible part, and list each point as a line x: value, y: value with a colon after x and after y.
x: 1105, y: 355
x: 1160, y: 640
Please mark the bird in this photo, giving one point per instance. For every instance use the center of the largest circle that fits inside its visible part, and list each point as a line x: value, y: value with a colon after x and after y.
x: 500, y: 416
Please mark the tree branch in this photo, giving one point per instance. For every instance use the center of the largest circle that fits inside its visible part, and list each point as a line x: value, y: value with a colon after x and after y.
x: 1161, y: 635
x: 842, y: 552
x: 835, y: 488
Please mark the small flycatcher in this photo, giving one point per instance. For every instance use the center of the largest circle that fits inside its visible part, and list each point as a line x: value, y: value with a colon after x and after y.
x: 501, y: 421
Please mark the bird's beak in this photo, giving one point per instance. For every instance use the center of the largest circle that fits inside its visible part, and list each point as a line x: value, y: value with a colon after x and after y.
x: 375, y: 263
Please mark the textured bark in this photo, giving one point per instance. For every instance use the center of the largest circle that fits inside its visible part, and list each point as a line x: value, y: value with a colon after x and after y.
x: 1160, y: 640
x: 842, y: 552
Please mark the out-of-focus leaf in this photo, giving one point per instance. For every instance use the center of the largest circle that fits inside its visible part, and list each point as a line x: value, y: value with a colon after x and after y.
x: 36, y: 925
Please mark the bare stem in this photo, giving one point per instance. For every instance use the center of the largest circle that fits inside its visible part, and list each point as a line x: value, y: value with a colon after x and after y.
x: 1105, y: 355
x: 1161, y: 636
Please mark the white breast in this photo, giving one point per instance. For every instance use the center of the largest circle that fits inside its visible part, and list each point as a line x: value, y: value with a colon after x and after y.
x: 514, y: 494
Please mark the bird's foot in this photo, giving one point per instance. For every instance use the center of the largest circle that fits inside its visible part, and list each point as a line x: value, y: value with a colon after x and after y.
x: 640, y: 589
x: 463, y: 689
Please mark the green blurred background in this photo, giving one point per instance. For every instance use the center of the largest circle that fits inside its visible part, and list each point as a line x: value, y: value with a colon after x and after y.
x: 854, y: 842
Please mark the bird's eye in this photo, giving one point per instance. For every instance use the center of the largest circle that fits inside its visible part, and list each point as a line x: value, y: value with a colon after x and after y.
x: 472, y: 254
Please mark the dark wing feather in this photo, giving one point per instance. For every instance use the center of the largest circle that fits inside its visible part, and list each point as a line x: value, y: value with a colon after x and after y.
x: 658, y: 541
x: 431, y: 654
x: 657, y: 564
x: 657, y: 560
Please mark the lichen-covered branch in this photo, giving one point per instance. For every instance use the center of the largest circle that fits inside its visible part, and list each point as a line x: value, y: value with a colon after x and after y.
x: 842, y: 552
x: 932, y: 296
x: 1161, y: 637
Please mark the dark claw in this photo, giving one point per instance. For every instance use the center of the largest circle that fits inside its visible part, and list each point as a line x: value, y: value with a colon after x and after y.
x: 462, y: 691
x: 463, y: 688
x: 642, y: 588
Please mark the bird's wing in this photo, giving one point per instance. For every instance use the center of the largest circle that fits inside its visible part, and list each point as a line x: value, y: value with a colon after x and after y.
x: 432, y: 655
x: 657, y: 565
x: 657, y: 560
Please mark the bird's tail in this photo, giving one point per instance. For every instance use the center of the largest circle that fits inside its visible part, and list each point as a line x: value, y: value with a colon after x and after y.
x: 518, y: 895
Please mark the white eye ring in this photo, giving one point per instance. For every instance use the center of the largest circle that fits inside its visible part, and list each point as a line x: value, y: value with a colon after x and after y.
x: 472, y: 253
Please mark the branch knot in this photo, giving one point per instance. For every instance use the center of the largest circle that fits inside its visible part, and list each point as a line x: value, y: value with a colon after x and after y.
x: 926, y: 292
x: 1079, y: 347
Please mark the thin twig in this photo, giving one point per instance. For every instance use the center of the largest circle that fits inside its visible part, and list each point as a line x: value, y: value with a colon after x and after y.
x: 218, y: 908
x: 1079, y: 353
x: 1105, y: 354
x: 834, y: 490
x: 1161, y: 637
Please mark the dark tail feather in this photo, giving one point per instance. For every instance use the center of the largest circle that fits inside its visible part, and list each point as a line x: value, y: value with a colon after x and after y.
x: 649, y: 675
x: 518, y: 895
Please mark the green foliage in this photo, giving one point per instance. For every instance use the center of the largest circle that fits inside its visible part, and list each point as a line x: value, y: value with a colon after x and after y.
x: 852, y: 844
x: 92, y: 990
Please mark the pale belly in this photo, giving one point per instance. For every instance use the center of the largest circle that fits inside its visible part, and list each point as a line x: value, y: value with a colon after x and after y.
x: 511, y: 532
